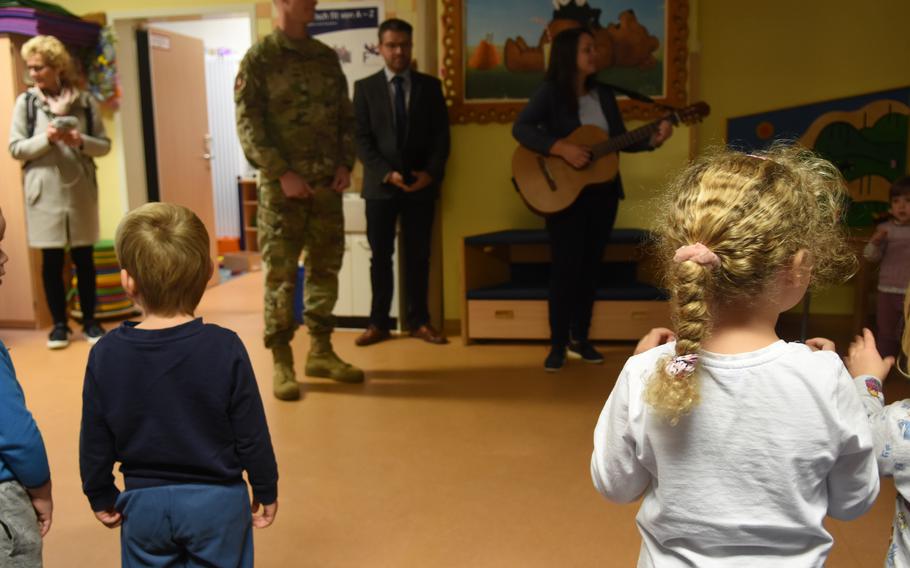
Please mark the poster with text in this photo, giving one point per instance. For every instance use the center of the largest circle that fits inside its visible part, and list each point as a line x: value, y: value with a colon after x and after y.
x: 351, y: 28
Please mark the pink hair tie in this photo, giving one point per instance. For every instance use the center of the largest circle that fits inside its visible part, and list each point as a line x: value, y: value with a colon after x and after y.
x: 697, y: 253
x: 682, y: 365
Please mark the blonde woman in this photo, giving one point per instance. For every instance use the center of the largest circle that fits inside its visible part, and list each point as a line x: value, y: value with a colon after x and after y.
x: 56, y: 132
x: 740, y: 442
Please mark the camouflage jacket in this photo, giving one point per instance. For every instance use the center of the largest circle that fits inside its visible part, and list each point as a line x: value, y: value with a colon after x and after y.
x: 293, y: 110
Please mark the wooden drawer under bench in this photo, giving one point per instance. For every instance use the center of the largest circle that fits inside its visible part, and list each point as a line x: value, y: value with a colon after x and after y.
x: 528, y: 319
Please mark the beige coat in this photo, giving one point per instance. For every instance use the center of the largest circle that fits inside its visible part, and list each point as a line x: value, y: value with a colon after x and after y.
x: 61, y: 193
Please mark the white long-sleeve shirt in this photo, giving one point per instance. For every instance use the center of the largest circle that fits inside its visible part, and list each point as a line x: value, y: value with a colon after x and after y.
x: 891, y: 432
x: 778, y: 441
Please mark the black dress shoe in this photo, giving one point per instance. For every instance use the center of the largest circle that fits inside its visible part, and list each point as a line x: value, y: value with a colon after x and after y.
x: 372, y: 335
x: 428, y: 334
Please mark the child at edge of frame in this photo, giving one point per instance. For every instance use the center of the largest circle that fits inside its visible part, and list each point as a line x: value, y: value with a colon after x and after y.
x: 889, y: 425
x: 890, y: 245
x: 26, y: 504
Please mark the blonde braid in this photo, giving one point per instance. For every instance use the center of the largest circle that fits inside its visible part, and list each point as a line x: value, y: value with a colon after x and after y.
x: 675, y: 395
x: 755, y: 213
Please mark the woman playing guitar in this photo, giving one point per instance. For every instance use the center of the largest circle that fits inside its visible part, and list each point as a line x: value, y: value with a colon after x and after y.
x: 570, y: 97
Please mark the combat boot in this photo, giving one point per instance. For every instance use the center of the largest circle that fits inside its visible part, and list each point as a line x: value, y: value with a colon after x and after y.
x: 284, y: 383
x: 323, y: 362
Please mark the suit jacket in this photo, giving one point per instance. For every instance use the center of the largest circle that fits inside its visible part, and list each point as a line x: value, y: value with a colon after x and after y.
x: 545, y: 120
x: 426, y: 146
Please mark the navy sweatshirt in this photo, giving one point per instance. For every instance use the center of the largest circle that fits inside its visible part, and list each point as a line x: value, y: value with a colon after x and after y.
x: 176, y: 405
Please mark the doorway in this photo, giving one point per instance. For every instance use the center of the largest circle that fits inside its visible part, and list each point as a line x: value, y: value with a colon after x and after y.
x: 225, y: 33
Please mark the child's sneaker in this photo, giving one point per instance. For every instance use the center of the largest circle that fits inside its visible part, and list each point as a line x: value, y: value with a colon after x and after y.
x: 585, y: 351
x: 555, y: 360
x: 92, y: 332
x: 59, y: 336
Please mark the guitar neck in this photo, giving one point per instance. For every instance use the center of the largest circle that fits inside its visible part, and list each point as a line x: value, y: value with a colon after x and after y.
x: 630, y: 138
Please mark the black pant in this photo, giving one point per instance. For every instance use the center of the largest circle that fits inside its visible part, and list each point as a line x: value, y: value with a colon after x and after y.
x: 416, y: 233
x: 54, y: 288
x: 578, y: 236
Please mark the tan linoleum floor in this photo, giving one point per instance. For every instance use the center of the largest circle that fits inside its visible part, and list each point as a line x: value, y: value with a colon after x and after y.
x: 448, y: 456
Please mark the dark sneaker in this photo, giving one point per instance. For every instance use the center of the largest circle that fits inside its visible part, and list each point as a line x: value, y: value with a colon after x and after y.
x: 555, y: 360
x: 92, y: 332
x: 59, y: 337
x: 585, y: 351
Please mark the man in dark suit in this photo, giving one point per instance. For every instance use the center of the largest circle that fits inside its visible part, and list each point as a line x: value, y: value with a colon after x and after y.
x: 402, y: 136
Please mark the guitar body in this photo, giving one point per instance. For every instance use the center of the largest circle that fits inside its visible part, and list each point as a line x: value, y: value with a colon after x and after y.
x: 548, y: 184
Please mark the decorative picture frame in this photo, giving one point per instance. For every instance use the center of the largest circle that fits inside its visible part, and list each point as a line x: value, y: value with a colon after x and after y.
x: 486, y: 81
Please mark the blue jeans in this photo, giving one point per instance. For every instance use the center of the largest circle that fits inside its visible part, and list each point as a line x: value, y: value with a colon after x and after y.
x: 186, y: 526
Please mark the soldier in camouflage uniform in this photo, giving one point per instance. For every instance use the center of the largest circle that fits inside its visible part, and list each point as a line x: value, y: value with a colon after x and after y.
x: 295, y: 123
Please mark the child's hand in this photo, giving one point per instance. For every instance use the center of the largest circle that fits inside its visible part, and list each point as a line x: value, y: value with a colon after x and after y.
x: 44, y: 506
x: 879, y: 235
x: 820, y: 344
x: 110, y: 518
x: 864, y: 359
x: 268, y: 514
x: 657, y: 336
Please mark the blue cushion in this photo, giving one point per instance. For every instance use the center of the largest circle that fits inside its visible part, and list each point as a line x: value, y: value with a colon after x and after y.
x: 517, y: 291
x: 540, y: 237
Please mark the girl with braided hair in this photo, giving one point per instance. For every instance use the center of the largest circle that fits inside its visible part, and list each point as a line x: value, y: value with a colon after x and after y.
x: 740, y: 442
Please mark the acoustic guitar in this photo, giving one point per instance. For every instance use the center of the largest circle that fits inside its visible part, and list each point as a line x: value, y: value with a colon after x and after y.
x: 548, y: 184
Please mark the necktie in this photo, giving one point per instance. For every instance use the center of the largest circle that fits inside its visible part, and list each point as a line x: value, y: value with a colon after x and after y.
x: 401, y: 111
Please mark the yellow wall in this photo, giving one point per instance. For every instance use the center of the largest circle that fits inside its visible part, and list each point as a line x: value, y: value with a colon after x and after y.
x: 754, y: 56
x: 759, y: 56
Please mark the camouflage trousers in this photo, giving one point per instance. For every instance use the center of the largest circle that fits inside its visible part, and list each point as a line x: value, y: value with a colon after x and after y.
x: 287, y: 227
x: 20, y: 540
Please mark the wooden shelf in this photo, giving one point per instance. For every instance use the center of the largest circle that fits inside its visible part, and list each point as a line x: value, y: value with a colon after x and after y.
x: 249, y: 205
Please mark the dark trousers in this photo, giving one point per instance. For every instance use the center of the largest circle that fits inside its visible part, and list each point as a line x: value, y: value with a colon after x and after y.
x: 416, y: 233
x: 889, y: 323
x: 191, y: 525
x: 54, y: 288
x: 578, y: 236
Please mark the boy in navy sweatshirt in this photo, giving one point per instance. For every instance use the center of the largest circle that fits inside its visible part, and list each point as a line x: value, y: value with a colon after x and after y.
x: 175, y: 401
x: 26, y: 506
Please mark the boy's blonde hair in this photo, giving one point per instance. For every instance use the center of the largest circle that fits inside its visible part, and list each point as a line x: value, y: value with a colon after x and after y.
x: 755, y: 212
x: 165, y: 248
x: 52, y: 52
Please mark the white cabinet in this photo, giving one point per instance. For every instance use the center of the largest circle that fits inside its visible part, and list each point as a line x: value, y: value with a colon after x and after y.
x: 345, y: 304
x: 355, y: 294
x: 354, y: 291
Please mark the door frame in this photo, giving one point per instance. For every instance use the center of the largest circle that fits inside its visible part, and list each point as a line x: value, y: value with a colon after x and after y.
x: 130, y: 146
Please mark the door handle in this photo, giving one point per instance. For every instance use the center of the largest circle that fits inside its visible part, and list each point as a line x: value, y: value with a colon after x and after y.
x: 207, y: 144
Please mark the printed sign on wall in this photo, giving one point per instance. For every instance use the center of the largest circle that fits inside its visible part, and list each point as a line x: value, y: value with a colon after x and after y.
x: 351, y: 29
